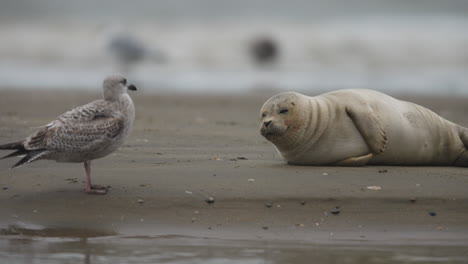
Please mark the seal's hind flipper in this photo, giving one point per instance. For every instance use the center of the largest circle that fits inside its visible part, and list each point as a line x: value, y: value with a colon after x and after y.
x: 370, y: 127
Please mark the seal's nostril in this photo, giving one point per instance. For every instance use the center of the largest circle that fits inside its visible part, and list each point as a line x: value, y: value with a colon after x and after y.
x: 267, y: 123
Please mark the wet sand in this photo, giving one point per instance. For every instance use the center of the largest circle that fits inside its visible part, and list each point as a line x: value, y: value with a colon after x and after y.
x: 187, y: 148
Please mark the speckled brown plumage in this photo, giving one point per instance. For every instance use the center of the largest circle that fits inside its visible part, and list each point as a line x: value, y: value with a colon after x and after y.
x: 85, y: 133
x: 82, y: 129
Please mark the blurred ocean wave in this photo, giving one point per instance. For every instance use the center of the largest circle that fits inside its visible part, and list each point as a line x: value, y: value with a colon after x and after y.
x: 393, y: 53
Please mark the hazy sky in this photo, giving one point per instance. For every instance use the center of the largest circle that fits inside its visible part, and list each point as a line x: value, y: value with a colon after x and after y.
x: 206, y: 10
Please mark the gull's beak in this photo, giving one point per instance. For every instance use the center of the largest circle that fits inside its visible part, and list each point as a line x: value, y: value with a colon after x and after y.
x: 131, y: 87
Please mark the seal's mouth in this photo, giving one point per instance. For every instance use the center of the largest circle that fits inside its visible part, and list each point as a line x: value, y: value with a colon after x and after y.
x: 272, y: 134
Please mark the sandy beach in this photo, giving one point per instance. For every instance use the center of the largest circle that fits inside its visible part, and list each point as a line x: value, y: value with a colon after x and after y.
x: 186, y: 149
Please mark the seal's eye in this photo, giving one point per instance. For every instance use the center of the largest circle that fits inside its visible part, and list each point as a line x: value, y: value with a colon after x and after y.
x: 283, y: 111
x: 124, y: 81
x: 263, y: 115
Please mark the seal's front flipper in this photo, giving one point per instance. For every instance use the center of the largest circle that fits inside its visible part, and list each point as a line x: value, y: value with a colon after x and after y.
x: 370, y: 127
x: 462, y: 160
x: 463, y: 133
x: 357, y: 161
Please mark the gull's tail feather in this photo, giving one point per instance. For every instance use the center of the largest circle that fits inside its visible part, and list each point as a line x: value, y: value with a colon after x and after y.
x: 17, y: 153
x: 18, y: 146
x: 31, y: 156
x: 15, y: 145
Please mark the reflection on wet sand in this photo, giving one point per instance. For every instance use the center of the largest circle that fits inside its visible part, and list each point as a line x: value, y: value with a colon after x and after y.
x: 52, y: 249
x: 22, y: 229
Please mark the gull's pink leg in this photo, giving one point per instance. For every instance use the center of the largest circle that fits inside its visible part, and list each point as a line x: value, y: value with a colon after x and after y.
x: 89, y: 188
x: 87, y: 166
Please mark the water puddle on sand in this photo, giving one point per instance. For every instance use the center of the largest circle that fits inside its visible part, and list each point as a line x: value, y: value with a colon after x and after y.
x: 33, y: 244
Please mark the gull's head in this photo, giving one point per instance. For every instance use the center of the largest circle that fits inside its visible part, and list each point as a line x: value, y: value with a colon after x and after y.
x: 116, y: 85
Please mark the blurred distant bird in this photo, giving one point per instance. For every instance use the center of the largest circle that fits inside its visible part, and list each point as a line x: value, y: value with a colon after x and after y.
x: 83, y: 134
x: 264, y: 50
x: 128, y: 50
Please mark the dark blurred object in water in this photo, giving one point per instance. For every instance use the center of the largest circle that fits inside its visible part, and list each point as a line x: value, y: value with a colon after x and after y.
x: 128, y: 50
x: 264, y: 50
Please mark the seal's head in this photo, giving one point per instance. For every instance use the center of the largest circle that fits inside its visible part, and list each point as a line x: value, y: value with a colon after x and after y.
x: 280, y: 115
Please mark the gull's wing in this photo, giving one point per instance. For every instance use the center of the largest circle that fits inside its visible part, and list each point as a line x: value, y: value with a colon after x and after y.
x: 86, y: 128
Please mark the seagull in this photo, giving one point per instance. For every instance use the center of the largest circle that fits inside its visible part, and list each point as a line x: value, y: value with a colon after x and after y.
x: 128, y: 50
x: 87, y: 132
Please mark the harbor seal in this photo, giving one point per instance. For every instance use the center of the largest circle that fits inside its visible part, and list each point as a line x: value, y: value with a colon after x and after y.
x: 357, y: 127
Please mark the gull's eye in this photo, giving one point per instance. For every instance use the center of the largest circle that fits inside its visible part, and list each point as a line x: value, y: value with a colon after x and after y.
x: 283, y: 111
